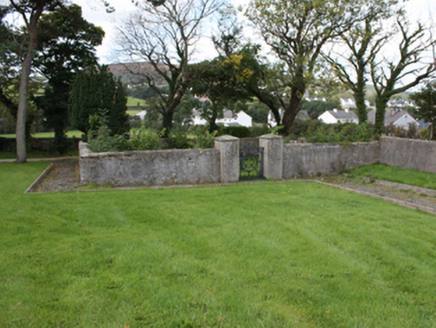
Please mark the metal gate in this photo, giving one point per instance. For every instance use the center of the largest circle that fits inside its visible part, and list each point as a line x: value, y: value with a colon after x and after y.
x: 250, y: 161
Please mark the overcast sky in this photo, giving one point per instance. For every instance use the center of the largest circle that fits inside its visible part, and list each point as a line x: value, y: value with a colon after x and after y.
x: 94, y: 11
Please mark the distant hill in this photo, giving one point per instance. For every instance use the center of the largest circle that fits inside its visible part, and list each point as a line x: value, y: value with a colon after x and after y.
x: 133, y: 73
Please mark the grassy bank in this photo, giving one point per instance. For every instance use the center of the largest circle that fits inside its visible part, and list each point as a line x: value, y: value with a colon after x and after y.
x: 252, y: 255
x: 396, y: 174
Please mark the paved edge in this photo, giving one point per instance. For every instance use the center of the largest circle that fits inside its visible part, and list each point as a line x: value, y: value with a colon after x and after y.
x: 397, y: 185
x: 413, y: 206
x: 39, y: 179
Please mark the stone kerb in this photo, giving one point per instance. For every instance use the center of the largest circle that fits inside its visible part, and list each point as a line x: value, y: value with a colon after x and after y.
x: 272, y: 156
x: 228, y: 147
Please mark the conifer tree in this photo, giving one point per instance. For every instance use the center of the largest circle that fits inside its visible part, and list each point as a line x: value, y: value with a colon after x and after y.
x: 95, y: 91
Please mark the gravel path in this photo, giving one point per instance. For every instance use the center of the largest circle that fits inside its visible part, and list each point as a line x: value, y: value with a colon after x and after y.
x: 386, y: 190
x: 63, y: 176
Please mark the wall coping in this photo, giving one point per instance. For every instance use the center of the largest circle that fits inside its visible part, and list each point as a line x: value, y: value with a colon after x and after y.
x: 407, y: 139
x: 270, y: 136
x: 226, y: 138
x: 85, y: 151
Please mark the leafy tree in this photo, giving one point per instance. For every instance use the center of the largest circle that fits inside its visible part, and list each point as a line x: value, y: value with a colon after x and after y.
x: 9, y: 62
x: 297, y: 31
x: 66, y: 44
x: 163, y: 34
x: 426, y: 102
x: 256, y: 77
x: 216, y: 80
x: 95, y: 91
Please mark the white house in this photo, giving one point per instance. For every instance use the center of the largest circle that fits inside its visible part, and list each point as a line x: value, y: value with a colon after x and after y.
x: 229, y: 119
x: 302, y: 115
x: 141, y: 115
x: 396, y: 118
x: 338, y: 116
x: 347, y: 103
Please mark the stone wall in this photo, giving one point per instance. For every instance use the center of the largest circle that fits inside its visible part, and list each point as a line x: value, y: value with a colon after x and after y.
x: 300, y: 160
x: 409, y: 153
x: 221, y: 164
x: 178, y: 166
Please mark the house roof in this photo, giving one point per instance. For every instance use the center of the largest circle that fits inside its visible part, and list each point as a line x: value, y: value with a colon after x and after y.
x: 391, y: 116
x: 302, y: 114
x: 342, y: 114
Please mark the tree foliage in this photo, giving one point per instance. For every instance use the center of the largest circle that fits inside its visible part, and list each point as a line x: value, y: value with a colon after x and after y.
x: 426, y: 102
x: 217, y: 81
x: 297, y: 31
x: 66, y: 44
x: 96, y: 92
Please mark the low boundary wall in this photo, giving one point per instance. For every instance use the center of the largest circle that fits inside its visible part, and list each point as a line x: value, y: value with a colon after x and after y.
x: 409, y: 153
x: 301, y: 160
x: 178, y: 166
x: 221, y: 164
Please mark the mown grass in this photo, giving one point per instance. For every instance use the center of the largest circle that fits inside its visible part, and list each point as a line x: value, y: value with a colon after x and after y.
x: 70, y: 134
x: 396, y: 174
x: 248, y: 255
x: 132, y: 102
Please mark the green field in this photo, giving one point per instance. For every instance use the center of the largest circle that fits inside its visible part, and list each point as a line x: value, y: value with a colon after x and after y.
x: 396, y: 174
x: 70, y: 134
x: 247, y: 255
x: 132, y: 102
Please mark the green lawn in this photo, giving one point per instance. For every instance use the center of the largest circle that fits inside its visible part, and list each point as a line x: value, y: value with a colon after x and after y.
x: 70, y: 134
x: 395, y: 174
x: 132, y: 102
x: 249, y: 255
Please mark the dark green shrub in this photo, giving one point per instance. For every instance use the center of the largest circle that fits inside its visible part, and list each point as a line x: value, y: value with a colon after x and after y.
x: 236, y: 131
x: 257, y: 131
x: 178, y: 140
x: 144, y: 139
x: 204, y: 139
x: 102, y: 141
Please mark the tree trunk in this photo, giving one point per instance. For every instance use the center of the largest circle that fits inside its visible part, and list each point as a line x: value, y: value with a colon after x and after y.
x: 432, y: 131
x: 359, y: 96
x: 167, y: 123
x: 32, y: 29
x: 22, y: 106
x: 292, y: 110
x: 380, y: 105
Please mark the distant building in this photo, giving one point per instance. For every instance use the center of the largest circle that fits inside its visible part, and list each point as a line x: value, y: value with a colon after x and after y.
x: 229, y: 119
x: 347, y: 103
x: 396, y: 118
x: 302, y: 115
x: 338, y: 116
x: 400, y: 103
x: 141, y: 115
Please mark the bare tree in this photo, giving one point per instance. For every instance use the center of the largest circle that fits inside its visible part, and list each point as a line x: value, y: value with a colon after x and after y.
x: 164, y: 35
x: 386, y: 74
x: 364, y: 42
